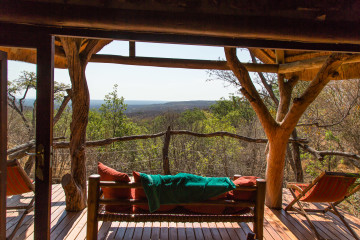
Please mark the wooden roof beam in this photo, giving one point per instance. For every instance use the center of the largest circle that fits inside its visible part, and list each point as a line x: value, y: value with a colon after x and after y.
x: 179, y: 63
x: 297, y: 66
x: 311, y: 64
x: 216, y: 25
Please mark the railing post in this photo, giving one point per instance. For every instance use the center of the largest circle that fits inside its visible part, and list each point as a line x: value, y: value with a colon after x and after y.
x: 166, y: 165
x: 93, y: 207
x: 259, y: 208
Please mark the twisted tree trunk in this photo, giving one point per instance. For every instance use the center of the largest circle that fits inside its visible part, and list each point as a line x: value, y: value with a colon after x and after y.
x: 78, y: 53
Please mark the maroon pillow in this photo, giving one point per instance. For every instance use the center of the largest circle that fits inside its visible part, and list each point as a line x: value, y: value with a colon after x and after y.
x: 208, y: 209
x: 141, y: 195
x: 109, y: 174
x: 242, y: 195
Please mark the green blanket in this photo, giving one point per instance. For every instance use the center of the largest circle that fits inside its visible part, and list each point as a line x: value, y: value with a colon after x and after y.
x: 182, y: 188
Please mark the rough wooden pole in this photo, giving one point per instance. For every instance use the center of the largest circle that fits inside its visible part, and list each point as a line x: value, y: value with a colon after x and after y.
x: 166, y: 165
x: 132, y: 52
x: 3, y: 142
x: 93, y: 207
x: 44, y: 136
x: 259, y: 209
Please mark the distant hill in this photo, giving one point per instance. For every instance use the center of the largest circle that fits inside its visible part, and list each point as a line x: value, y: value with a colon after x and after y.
x: 97, y: 103
x: 156, y: 109
x: 149, y: 107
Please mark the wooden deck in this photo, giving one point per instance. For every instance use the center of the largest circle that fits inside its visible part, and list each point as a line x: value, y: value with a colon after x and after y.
x: 277, y: 225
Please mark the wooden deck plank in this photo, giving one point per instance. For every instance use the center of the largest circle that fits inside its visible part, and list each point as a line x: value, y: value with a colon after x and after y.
x: 112, y: 230
x: 222, y: 230
x: 164, y: 231
x: 189, y: 231
x: 239, y: 231
x: 12, y: 217
x: 82, y: 234
x: 129, y: 232
x: 181, y: 230
x: 173, y: 235
x: 27, y: 228
x: 206, y: 230
x: 57, y: 208
x: 78, y: 226
x: 214, y: 231
x: 198, y: 231
x: 293, y: 228
x: 121, y: 231
x: 155, y: 231
x: 103, y: 232
x: 147, y: 231
x: 328, y: 225
x: 139, y: 228
x: 278, y: 225
x: 230, y: 230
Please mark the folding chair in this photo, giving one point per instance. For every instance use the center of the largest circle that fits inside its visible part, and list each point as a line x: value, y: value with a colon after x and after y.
x: 329, y: 187
x: 18, y: 182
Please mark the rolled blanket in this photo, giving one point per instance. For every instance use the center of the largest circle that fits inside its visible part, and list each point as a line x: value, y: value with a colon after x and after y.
x: 182, y: 188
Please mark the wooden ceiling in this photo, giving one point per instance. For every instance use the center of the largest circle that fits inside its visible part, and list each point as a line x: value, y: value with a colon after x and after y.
x: 287, y: 23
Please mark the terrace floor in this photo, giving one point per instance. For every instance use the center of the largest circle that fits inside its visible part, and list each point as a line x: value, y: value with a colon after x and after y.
x: 277, y: 225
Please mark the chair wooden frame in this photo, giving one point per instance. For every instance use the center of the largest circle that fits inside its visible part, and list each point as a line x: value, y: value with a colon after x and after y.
x: 95, y: 214
x: 27, y: 208
x: 294, y: 187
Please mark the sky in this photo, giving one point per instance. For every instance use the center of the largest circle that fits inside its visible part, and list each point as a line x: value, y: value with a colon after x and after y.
x: 147, y: 83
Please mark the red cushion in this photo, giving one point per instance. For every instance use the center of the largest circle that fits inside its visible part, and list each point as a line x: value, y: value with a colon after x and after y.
x: 140, y: 194
x: 242, y: 195
x: 109, y: 174
x: 208, y: 209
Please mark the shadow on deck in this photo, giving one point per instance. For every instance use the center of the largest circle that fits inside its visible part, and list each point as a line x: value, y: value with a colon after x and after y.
x: 277, y: 225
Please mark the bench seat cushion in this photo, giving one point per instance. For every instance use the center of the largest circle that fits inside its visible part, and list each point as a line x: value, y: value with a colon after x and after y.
x: 109, y: 174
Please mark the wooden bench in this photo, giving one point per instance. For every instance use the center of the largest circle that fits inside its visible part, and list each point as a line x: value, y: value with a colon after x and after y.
x: 96, y: 212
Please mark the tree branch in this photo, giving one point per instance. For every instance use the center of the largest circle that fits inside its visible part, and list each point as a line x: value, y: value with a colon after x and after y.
x: 317, y: 124
x: 354, y: 158
x: 63, y: 105
x: 317, y: 84
x: 108, y: 141
x: 249, y: 91
x: 267, y: 86
x: 93, y: 46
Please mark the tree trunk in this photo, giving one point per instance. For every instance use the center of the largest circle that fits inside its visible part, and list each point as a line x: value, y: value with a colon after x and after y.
x: 78, y: 52
x: 75, y: 184
x: 299, y: 173
x: 275, y: 169
x: 278, y: 132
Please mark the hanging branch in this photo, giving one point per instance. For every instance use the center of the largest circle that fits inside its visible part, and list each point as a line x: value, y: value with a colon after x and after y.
x: 63, y: 105
x: 317, y: 124
x: 267, y: 86
x: 354, y: 158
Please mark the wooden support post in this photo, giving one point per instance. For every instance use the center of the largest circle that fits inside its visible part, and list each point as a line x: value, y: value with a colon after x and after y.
x: 93, y: 207
x: 3, y: 142
x: 166, y: 165
x: 259, y: 209
x: 132, y: 49
x: 44, y: 136
x: 280, y: 56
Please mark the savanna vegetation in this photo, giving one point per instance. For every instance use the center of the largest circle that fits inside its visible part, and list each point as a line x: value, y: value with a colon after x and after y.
x: 331, y: 125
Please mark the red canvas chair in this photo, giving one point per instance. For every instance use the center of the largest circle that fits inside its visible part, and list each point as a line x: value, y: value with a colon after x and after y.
x: 329, y: 187
x: 18, y: 182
